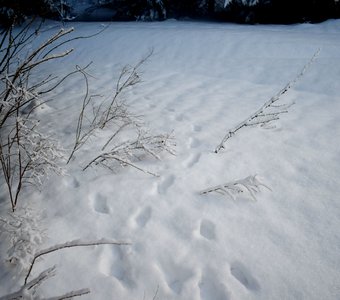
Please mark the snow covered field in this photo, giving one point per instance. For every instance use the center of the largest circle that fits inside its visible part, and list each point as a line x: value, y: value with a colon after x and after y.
x: 201, y: 80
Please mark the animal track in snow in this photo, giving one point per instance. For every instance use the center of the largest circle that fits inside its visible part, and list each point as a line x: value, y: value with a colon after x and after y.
x: 240, y: 272
x: 211, y: 288
x: 144, y: 217
x: 208, y: 230
x: 196, y: 128
x: 71, y: 182
x: 194, y: 143
x: 176, y: 276
x: 113, y: 262
x: 193, y: 160
x: 180, y: 118
x: 75, y: 183
x: 99, y: 203
x: 165, y: 184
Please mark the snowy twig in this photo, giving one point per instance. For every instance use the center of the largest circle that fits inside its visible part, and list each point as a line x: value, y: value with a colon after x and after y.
x: 129, y: 76
x: 23, y: 233
x: 268, y: 112
x: 154, y: 296
x: 156, y: 293
x: 72, y: 244
x: 71, y: 295
x: 26, y: 153
x: 29, y: 289
x: 250, y: 185
x: 125, y: 153
x: 114, y: 116
x: 82, y: 137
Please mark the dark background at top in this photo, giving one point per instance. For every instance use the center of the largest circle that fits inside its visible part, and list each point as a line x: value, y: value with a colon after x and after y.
x: 265, y: 11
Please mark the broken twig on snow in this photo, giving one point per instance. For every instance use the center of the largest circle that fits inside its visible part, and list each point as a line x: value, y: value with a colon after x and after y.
x: 249, y: 185
x: 268, y: 112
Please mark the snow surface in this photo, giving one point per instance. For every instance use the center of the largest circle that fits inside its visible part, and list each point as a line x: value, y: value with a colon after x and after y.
x: 202, y: 79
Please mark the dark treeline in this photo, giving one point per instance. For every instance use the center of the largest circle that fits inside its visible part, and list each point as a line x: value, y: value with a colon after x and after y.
x: 241, y: 11
x: 281, y: 11
x: 16, y: 11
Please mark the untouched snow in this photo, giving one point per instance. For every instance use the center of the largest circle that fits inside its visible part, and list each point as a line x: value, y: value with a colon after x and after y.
x: 202, y: 79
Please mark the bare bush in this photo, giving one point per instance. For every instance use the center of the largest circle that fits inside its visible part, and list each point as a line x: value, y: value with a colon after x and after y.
x: 126, y: 138
x: 27, y: 154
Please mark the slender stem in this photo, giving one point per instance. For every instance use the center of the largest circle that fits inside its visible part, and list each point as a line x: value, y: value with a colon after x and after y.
x: 266, y: 105
x: 72, y: 244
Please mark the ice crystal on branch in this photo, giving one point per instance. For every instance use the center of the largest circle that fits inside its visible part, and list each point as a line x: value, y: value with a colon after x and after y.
x: 247, y: 186
x: 269, y: 111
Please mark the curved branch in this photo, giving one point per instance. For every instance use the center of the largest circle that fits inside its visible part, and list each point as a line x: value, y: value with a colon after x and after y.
x: 72, y: 244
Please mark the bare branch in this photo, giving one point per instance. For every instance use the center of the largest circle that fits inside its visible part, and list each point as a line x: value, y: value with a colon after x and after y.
x: 72, y: 244
x: 30, y: 287
x: 26, y: 153
x: 128, y: 77
x: 74, y: 39
x: 156, y: 293
x: 255, y: 118
x: 249, y: 185
x: 126, y: 152
x: 71, y: 295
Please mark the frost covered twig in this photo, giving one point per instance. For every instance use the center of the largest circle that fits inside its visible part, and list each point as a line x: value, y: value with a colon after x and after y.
x: 29, y: 289
x: 156, y: 293
x: 71, y: 295
x: 126, y: 141
x: 268, y: 112
x: 95, y: 117
x: 81, y: 136
x: 23, y: 234
x: 249, y: 185
x: 27, y: 156
x: 129, y: 76
x: 128, y: 151
x: 27, y: 152
x: 112, y: 114
x: 71, y: 244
